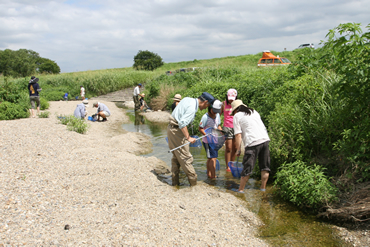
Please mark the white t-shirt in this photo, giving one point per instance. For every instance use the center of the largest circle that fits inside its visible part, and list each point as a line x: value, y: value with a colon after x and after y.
x: 82, y: 91
x: 251, y: 127
x: 136, y: 91
x: 208, y: 122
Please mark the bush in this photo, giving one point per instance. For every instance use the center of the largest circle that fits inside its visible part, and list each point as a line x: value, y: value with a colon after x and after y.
x: 44, y: 114
x: 74, y: 124
x: 44, y: 104
x: 10, y: 111
x: 303, y: 185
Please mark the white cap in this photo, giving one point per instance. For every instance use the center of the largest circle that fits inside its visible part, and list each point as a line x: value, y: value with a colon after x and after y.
x: 216, y: 107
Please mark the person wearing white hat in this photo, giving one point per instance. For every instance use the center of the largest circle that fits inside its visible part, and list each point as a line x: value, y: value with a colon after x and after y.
x: 248, y: 126
x: 80, y: 111
x: 211, y: 120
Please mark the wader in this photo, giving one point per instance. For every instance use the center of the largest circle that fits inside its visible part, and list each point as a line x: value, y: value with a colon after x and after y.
x: 180, y: 157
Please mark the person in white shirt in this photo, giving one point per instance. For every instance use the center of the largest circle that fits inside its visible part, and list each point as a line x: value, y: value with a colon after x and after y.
x: 248, y: 126
x: 136, y: 96
x: 82, y: 92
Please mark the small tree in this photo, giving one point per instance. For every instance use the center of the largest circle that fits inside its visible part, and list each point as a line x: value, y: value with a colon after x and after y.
x: 146, y: 60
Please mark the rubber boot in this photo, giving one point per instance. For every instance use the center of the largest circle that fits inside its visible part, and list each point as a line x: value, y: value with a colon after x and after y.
x: 192, y: 182
x: 175, y: 180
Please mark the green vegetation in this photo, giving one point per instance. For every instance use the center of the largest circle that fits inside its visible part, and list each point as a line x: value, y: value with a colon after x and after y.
x: 74, y: 124
x: 44, y: 114
x: 305, y: 185
x: 24, y: 62
x: 146, y: 60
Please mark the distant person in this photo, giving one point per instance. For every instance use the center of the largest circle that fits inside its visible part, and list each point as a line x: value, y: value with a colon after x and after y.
x: 136, y: 96
x: 34, y: 89
x: 211, y: 120
x: 228, y: 127
x: 81, y: 111
x: 176, y: 101
x: 249, y: 127
x: 142, y: 102
x: 177, y: 134
x: 82, y: 92
x: 102, y: 111
x: 65, y: 97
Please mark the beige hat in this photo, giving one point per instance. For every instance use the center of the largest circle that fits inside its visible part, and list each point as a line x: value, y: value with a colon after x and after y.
x: 177, y: 97
x: 95, y: 103
x: 235, y: 104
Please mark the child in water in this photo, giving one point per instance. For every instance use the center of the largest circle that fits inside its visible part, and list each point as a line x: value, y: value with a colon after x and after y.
x: 211, y: 120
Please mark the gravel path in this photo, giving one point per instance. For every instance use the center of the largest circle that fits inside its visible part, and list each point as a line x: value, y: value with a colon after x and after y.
x: 61, y: 188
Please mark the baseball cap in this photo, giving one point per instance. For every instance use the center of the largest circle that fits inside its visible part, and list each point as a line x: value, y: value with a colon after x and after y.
x: 216, y: 107
x: 208, y: 97
x: 231, y: 94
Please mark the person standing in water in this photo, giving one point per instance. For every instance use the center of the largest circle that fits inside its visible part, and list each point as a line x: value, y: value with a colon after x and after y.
x: 228, y: 127
x: 136, y: 95
x: 178, y: 134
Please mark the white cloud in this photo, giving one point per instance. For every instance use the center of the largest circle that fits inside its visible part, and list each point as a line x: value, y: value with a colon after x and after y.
x: 81, y: 34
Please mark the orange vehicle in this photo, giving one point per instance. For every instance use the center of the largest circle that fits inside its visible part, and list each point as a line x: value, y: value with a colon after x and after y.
x: 269, y: 59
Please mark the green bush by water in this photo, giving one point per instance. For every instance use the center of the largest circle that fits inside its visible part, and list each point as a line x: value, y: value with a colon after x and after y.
x: 304, y: 185
x: 45, y: 114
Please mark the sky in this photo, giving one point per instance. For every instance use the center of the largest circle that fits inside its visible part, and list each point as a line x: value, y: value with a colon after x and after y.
x: 82, y: 35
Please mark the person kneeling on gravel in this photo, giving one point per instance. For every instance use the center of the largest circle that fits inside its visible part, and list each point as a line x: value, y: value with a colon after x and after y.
x: 103, y: 111
x: 80, y: 111
x: 177, y: 134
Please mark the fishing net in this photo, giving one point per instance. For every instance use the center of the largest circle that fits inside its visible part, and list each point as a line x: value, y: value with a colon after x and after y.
x: 215, y: 138
x: 197, y: 143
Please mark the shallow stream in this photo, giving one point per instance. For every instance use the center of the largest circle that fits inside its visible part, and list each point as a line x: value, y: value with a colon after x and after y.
x: 285, y: 224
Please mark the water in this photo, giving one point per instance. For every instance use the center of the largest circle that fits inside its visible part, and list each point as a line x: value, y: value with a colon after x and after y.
x: 285, y: 224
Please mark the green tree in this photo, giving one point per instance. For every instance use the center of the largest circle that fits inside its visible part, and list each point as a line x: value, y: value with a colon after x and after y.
x: 48, y: 66
x: 146, y: 60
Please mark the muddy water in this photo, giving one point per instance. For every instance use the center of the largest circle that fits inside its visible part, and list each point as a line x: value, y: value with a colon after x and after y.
x: 285, y: 225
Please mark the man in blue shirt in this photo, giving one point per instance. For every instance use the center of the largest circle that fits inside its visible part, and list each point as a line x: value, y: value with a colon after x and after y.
x: 178, y: 134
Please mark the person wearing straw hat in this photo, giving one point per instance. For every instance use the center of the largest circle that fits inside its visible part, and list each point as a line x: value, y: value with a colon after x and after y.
x: 80, y: 111
x: 178, y: 134
x: 248, y: 126
x: 102, y: 111
x: 34, y: 89
x: 176, y: 100
x: 136, y: 95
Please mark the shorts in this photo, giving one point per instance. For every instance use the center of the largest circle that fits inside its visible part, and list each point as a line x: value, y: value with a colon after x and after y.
x: 211, y: 153
x: 229, y: 132
x: 34, y: 99
x: 250, y: 157
x: 106, y: 113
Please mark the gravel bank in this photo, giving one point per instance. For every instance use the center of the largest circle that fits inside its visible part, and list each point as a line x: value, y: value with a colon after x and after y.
x: 62, y: 188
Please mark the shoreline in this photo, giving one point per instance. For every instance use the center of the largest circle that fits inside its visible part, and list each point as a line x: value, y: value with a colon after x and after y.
x: 63, y: 188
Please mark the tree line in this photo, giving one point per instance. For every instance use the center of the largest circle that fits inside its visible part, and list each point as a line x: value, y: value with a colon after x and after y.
x: 23, y: 62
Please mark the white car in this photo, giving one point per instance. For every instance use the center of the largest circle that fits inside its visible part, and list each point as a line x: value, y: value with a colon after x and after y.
x: 310, y: 45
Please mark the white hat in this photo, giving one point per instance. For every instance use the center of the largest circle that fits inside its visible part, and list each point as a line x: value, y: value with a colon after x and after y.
x: 216, y: 107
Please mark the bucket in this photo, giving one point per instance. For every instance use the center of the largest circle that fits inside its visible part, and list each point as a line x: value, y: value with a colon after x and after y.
x: 236, y: 168
x: 76, y: 97
x: 91, y: 118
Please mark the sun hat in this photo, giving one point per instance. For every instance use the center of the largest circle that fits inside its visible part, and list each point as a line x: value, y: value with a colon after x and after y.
x: 235, y: 104
x: 33, y: 77
x: 231, y: 94
x: 208, y: 97
x: 177, y: 97
x: 33, y: 80
x: 216, y: 107
x: 139, y: 84
x: 85, y: 101
x: 143, y: 94
x: 95, y: 103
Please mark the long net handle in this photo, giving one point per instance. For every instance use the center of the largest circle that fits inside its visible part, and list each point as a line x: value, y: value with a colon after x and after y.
x: 187, y: 143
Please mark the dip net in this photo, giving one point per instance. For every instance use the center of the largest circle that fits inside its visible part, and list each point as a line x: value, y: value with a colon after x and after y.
x: 215, y: 138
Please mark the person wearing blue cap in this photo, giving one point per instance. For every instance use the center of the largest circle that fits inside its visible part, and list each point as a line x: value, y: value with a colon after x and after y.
x: 136, y: 96
x: 178, y: 134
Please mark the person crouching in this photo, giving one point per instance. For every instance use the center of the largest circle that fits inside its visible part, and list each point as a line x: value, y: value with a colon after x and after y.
x: 102, y: 111
x: 80, y: 111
